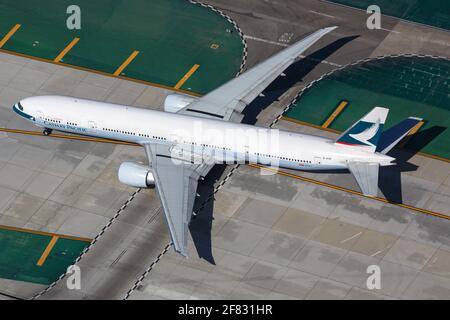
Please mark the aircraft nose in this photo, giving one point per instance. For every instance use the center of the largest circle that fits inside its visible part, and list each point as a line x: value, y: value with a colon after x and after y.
x: 18, y: 105
x: 19, y: 109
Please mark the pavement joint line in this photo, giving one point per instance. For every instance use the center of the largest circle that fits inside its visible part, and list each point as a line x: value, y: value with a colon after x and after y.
x: 147, y: 271
x: 43, y: 233
x: 91, y: 245
x: 69, y: 47
x: 187, y: 76
x: 9, y: 34
x: 47, y: 251
x: 126, y: 63
x: 324, y: 184
x: 341, y: 106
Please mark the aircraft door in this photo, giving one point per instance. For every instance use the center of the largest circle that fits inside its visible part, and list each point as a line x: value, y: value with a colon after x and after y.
x: 246, y: 153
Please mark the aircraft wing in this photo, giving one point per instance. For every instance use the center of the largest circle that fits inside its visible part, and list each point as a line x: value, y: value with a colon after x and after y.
x: 237, y: 93
x: 177, y: 188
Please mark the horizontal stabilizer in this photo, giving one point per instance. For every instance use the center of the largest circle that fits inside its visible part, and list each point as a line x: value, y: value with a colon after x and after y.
x: 366, y: 175
x: 395, y: 134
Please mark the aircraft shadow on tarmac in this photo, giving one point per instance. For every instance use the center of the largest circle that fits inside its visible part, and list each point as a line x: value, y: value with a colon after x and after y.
x: 389, y: 179
x: 389, y: 183
x: 200, y: 226
x: 293, y: 74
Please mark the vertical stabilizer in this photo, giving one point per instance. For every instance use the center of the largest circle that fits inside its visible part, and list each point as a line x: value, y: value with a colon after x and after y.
x: 366, y: 132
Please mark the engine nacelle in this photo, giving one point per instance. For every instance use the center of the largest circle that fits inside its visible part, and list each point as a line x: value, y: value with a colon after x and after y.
x: 176, y: 101
x: 136, y: 175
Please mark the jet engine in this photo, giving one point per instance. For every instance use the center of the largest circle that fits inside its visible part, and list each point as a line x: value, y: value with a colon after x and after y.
x: 176, y: 101
x: 136, y: 175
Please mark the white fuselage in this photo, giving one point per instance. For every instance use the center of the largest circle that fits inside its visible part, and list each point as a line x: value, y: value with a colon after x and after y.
x: 221, y: 141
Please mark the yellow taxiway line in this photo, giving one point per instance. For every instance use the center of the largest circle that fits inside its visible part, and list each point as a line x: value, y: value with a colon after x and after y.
x: 187, y: 76
x: 308, y: 124
x: 126, y: 63
x: 406, y: 206
x: 66, y: 136
x: 157, y: 85
x: 283, y: 173
x: 335, y: 113
x: 427, y: 155
x: 9, y: 34
x: 43, y: 233
x: 47, y: 251
x: 66, y: 49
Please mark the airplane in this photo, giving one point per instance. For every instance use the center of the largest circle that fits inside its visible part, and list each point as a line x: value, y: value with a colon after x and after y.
x: 192, y: 134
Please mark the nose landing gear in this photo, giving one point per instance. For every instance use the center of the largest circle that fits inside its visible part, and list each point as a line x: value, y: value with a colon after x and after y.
x: 46, y: 131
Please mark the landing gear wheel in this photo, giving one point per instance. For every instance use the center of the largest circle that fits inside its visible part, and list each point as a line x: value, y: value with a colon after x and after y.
x: 46, y: 132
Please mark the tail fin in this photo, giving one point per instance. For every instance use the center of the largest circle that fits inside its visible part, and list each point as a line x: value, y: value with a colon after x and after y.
x: 367, y: 131
x: 395, y: 134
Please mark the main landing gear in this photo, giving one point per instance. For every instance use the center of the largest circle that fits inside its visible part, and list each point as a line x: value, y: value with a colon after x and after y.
x: 46, y: 131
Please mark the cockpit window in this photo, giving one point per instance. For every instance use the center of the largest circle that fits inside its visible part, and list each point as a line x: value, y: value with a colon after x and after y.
x: 20, y: 106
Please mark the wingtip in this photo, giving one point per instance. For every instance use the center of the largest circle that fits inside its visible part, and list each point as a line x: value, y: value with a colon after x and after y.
x: 380, y: 108
x: 182, y: 253
x: 329, y: 29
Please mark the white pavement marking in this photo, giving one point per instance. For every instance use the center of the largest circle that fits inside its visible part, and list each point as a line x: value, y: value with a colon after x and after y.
x: 266, y: 41
x: 322, y: 14
x: 352, y: 237
x: 390, y: 30
x: 378, y: 252
x: 286, y: 45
